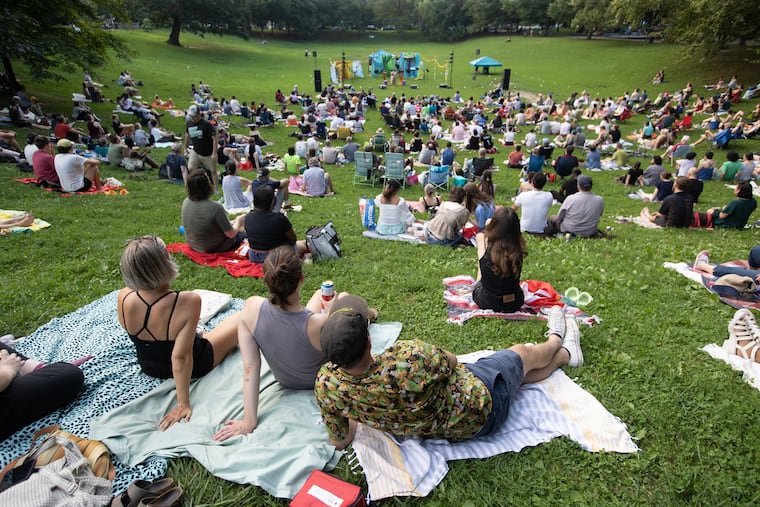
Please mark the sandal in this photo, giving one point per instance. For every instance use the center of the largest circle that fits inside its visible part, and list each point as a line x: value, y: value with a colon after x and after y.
x: 741, y: 331
x: 170, y: 498
x: 141, y: 489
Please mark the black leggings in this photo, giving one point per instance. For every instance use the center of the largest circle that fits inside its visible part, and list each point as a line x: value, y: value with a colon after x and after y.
x: 36, y: 394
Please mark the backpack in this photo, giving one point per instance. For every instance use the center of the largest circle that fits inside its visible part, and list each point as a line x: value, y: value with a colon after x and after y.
x: 323, y: 242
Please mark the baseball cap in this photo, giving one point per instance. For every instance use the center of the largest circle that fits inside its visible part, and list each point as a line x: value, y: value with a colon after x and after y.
x: 344, y: 334
x: 192, y: 111
x: 64, y: 143
x: 584, y: 182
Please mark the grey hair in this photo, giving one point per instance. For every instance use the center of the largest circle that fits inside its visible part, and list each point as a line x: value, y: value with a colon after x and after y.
x: 146, y: 264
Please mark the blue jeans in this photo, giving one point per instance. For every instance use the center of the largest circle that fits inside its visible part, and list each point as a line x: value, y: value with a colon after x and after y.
x: 432, y: 240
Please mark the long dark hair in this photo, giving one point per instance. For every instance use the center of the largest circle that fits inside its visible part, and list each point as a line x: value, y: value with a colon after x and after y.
x: 282, y: 274
x: 506, y: 243
x: 391, y: 189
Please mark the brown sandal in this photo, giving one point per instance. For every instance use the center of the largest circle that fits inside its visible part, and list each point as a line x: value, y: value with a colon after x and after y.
x: 141, y: 489
x: 170, y: 498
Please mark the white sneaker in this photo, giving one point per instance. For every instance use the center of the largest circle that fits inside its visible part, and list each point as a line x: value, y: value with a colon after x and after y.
x: 556, y: 322
x: 572, y: 342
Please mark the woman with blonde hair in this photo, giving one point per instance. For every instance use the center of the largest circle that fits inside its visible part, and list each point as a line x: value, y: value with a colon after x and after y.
x: 162, y: 323
x: 501, y: 250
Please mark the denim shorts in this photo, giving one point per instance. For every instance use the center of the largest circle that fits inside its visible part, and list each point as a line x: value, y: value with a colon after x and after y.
x: 502, y: 373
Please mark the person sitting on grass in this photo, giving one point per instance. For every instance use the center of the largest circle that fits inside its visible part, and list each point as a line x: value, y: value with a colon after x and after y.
x: 75, y: 172
x: 282, y: 193
x: 480, y: 205
x: 535, y: 204
x: 316, y: 182
x: 207, y: 228
x: 445, y: 228
x: 676, y: 209
x: 141, y: 155
x: 415, y: 388
x: 501, y: 250
x: 162, y: 323
x: 281, y: 329
x: 732, y: 216
x: 30, y: 389
x: 730, y: 168
x: 234, y: 188
x: 580, y: 213
x: 395, y: 217
x: 267, y: 229
x: 431, y: 200
x: 633, y: 177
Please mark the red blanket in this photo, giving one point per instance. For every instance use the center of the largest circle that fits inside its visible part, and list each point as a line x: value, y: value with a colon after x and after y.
x: 235, y: 265
x: 107, y: 189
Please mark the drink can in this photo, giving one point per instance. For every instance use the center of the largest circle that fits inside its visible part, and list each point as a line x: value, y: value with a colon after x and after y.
x: 328, y: 290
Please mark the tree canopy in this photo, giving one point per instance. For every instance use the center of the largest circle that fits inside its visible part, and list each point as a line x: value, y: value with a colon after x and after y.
x: 52, y: 37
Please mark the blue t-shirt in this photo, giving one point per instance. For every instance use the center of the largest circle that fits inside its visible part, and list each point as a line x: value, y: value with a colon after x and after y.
x: 594, y: 160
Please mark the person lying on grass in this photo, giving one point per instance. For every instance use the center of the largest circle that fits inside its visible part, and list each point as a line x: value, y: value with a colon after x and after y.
x: 415, y: 388
x: 162, y: 323
x: 284, y: 331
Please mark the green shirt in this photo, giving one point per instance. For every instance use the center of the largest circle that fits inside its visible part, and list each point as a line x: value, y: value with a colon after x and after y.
x: 410, y: 389
x: 292, y: 162
x: 729, y: 170
x: 738, y: 212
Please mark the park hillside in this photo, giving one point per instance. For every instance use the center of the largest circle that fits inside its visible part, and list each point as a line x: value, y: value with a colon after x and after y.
x: 693, y: 418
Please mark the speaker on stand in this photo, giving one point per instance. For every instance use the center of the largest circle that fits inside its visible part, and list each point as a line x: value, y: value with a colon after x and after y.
x: 505, y: 79
x: 318, y: 81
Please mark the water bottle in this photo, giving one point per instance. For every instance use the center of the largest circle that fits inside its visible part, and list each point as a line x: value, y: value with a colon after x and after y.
x: 181, y: 229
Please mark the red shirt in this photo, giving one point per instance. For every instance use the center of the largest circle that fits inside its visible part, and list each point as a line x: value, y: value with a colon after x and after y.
x: 44, y: 166
x: 61, y: 130
x: 515, y: 158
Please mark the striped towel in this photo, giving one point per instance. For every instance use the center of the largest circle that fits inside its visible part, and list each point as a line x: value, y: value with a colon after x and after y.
x: 557, y: 406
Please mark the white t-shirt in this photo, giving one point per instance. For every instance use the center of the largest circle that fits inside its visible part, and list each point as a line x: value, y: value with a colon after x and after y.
x: 535, y: 206
x: 29, y: 151
x: 70, y: 169
x: 233, y: 193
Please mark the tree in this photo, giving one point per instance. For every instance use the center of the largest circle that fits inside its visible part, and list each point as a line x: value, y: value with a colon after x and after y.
x: 591, y: 15
x: 394, y: 12
x: 561, y: 12
x: 200, y: 16
x: 443, y: 20
x: 51, y: 37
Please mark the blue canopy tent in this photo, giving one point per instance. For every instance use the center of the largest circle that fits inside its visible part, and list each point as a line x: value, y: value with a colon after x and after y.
x: 484, y: 62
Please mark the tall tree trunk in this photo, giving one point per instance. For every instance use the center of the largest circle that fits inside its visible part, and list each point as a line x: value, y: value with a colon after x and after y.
x: 174, y: 35
x: 10, y: 74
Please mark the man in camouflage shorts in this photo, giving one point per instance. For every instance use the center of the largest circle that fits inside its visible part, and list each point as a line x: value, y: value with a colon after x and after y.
x: 415, y: 388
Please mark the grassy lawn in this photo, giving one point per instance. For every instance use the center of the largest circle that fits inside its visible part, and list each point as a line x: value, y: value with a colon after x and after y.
x: 694, y: 418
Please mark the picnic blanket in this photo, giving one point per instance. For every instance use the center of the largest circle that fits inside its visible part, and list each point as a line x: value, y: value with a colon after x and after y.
x: 707, y: 281
x: 112, y: 378
x: 235, y: 265
x: 109, y: 188
x: 287, y: 444
x: 539, y: 298
x: 554, y: 407
x: 6, y: 214
x: 409, y: 238
x: 749, y: 368
x: 638, y: 220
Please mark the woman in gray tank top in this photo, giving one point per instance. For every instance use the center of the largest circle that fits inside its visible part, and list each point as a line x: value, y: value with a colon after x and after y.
x: 283, y: 330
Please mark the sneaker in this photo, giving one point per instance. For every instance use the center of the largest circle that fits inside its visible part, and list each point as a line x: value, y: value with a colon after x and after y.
x: 572, y: 342
x: 703, y: 256
x: 556, y: 322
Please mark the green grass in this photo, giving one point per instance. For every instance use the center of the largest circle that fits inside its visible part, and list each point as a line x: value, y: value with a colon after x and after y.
x: 695, y: 419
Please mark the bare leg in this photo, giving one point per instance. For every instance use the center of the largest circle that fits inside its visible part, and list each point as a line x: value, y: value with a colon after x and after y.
x: 646, y: 214
x: 329, y: 183
x: 224, y: 337
x: 92, y: 173
x: 301, y: 247
x: 540, y: 360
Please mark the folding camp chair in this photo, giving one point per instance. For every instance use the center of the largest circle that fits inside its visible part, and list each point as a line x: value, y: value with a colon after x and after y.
x: 438, y: 176
x: 378, y: 142
x: 394, y: 168
x: 343, y: 132
x: 679, y: 152
x: 365, y: 170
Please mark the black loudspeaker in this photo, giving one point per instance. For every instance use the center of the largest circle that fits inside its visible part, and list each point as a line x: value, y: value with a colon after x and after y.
x: 505, y: 79
x: 318, y: 81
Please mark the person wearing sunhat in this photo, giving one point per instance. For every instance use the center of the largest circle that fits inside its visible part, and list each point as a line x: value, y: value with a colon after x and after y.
x: 580, y: 212
x: 75, y: 172
x: 415, y: 388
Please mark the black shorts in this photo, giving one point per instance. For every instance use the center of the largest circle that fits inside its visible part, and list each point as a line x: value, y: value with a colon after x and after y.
x: 486, y: 300
x: 87, y: 185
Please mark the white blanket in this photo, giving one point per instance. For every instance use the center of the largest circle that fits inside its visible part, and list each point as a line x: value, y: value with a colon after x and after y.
x: 557, y: 406
x: 750, y: 369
